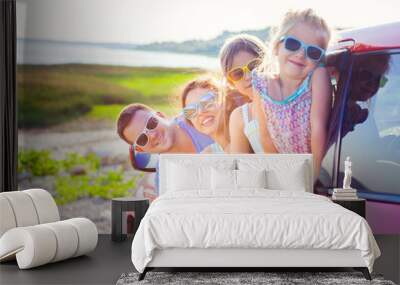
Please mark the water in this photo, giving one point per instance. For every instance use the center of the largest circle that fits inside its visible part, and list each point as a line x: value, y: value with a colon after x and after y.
x: 42, y: 52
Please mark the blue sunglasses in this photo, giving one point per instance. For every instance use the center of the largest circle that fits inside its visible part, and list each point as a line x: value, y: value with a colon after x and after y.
x: 313, y: 52
x: 206, y: 102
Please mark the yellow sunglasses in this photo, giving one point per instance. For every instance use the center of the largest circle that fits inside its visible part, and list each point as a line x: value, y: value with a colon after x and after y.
x: 237, y: 73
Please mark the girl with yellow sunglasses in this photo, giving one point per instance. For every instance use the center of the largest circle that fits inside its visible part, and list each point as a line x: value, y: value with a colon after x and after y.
x: 239, y: 56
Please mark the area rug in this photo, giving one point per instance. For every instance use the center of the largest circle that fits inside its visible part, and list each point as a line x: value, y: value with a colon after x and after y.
x: 273, y: 278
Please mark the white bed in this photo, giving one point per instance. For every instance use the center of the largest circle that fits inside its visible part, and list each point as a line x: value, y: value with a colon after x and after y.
x: 230, y: 226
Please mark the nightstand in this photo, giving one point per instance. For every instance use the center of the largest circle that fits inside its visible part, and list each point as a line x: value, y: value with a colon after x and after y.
x: 357, y: 206
x: 126, y: 215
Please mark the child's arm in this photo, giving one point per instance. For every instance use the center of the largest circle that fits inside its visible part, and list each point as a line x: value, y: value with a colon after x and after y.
x: 238, y: 141
x: 320, y: 113
x: 261, y: 117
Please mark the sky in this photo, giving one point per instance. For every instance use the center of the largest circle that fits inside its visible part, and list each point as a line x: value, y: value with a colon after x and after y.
x: 145, y: 21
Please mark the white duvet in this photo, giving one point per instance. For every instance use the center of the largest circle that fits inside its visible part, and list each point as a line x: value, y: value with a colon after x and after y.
x: 253, y: 218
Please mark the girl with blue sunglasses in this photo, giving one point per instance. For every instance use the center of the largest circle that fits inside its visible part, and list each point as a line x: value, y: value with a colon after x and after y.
x: 295, y: 87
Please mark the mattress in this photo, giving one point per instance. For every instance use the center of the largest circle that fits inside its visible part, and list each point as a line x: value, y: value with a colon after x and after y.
x: 250, y: 219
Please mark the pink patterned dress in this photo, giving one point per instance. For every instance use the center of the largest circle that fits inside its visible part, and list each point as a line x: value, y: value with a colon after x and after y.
x: 288, y: 121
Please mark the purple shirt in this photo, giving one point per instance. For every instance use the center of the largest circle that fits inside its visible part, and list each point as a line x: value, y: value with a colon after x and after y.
x: 199, y: 140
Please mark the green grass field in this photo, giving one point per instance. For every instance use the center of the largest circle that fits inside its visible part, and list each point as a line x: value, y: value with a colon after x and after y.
x: 110, y: 112
x: 51, y: 95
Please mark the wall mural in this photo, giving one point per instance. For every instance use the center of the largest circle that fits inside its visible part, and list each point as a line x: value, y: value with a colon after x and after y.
x: 94, y: 114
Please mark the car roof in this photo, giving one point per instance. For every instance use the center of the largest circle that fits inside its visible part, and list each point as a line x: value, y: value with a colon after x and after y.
x: 378, y: 37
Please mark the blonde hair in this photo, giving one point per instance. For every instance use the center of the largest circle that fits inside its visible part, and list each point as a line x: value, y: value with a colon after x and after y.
x: 236, y: 44
x: 290, y: 19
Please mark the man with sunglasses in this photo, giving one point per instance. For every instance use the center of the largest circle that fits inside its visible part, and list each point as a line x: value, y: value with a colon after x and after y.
x: 150, y: 132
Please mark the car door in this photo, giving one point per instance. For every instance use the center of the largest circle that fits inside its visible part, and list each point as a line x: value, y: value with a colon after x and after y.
x: 370, y: 129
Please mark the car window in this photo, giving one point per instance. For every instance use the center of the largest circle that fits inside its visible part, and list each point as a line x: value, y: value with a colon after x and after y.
x: 371, y: 128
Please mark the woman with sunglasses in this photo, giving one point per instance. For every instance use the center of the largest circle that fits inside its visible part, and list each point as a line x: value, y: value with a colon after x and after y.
x: 203, y: 108
x: 240, y: 55
x: 295, y: 86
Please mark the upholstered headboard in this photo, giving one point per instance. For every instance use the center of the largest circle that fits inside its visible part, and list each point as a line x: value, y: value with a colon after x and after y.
x: 270, y: 161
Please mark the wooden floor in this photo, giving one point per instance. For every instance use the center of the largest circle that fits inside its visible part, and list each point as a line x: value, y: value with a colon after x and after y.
x: 111, y: 259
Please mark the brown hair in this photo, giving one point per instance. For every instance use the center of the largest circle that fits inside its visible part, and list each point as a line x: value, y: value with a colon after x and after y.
x: 230, y: 101
x: 126, y: 115
x: 236, y: 44
x: 206, y: 83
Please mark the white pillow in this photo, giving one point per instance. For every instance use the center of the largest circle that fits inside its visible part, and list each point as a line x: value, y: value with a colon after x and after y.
x: 282, y: 174
x: 188, y: 177
x: 251, y: 178
x: 292, y: 179
x: 227, y: 179
x: 223, y: 179
x: 192, y: 174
